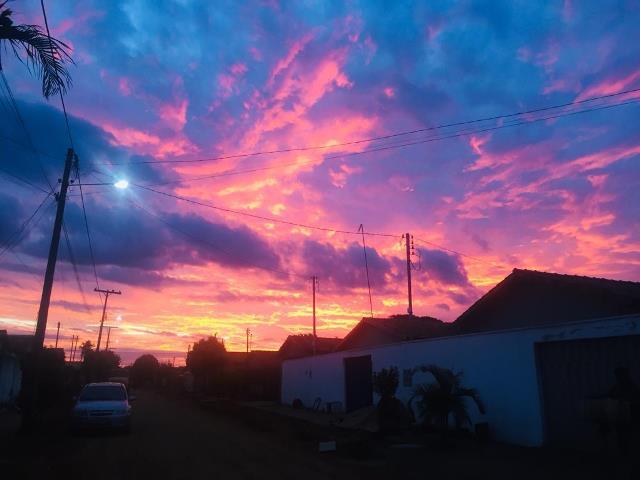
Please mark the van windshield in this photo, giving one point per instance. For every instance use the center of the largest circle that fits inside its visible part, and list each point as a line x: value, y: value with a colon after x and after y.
x: 102, y: 392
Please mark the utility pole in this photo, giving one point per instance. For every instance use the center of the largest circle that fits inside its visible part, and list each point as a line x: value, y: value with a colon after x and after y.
x: 407, y: 239
x: 43, y: 312
x: 74, y: 348
x: 109, y: 336
x: 104, y: 310
x: 57, y: 335
x: 314, y: 281
x: 248, y: 332
x: 73, y: 338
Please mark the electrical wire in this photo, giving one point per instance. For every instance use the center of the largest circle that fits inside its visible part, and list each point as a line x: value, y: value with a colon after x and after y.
x: 366, y: 266
x: 86, y: 224
x: 76, y: 273
x: 64, y: 108
x: 23, y: 125
x: 394, y: 135
x: 260, y: 217
x: 207, y: 242
x: 456, y: 252
x: 22, y: 181
x: 391, y: 146
x: 16, y: 236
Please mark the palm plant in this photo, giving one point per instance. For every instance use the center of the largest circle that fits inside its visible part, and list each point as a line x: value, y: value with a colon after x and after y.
x: 445, y: 398
x: 392, y: 414
x: 43, y: 55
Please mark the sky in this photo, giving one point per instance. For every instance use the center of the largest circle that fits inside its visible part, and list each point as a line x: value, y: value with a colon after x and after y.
x: 166, y: 93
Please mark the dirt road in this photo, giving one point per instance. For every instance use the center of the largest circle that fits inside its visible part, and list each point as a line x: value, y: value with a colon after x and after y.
x: 176, y: 439
x: 170, y: 439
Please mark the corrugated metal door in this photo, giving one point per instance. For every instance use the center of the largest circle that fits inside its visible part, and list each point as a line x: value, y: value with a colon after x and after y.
x: 358, y: 382
x: 572, y: 372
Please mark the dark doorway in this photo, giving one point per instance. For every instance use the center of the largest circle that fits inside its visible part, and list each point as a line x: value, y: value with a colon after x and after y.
x: 570, y: 373
x: 358, y: 387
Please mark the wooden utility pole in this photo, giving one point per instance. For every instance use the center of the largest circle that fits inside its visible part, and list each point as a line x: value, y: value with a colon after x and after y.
x: 104, y: 310
x: 407, y: 239
x: 57, y: 334
x: 109, y: 336
x: 248, y: 332
x: 43, y: 312
x: 74, y: 347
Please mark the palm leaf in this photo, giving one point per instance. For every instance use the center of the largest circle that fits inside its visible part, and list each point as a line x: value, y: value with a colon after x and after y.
x: 47, y: 57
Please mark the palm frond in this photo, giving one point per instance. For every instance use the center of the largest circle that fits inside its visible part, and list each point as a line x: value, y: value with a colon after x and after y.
x: 46, y: 57
x: 475, y: 396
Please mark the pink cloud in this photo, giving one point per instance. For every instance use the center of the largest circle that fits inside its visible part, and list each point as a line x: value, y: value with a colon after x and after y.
x: 389, y: 92
x: 175, y: 114
x: 146, y: 143
x: 293, y: 52
x: 124, y: 85
x: 238, y: 69
x: 611, y: 85
x: 476, y: 143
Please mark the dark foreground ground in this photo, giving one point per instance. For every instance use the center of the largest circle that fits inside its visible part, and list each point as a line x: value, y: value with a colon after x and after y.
x: 174, y: 438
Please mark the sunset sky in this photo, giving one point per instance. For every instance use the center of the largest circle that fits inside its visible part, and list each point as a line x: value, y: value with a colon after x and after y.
x: 155, y: 82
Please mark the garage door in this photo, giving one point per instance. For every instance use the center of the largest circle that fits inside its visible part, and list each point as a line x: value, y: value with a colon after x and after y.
x: 358, y: 386
x: 570, y: 372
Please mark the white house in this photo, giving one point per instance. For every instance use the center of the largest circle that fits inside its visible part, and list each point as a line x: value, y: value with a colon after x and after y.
x: 533, y: 378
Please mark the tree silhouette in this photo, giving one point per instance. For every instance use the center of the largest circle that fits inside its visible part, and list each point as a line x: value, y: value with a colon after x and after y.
x: 46, y: 57
x: 98, y: 366
x: 144, y: 370
x: 206, y: 361
x: 85, y: 348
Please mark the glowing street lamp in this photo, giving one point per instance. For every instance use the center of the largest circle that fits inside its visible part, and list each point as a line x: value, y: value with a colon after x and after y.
x: 121, y: 184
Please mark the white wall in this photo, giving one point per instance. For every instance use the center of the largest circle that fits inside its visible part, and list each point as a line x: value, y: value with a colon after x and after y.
x: 500, y: 365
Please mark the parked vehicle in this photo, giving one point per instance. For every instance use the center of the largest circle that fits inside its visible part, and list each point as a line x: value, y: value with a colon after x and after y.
x: 102, y: 405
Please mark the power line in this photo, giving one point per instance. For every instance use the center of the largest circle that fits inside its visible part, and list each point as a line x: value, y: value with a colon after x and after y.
x: 207, y: 242
x: 23, y: 125
x: 86, y: 224
x: 72, y: 260
x: 385, y: 137
x: 16, y: 236
x: 385, y: 147
x: 19, y: 179
x: 456, y: 252
x: 64, y: 108
x: 261, y: 217
x: 314, y: 227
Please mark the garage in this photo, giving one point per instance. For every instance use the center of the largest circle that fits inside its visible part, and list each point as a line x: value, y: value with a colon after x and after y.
x: 573, y: 375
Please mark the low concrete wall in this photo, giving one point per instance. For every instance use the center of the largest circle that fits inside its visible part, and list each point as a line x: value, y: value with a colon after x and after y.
x: 500, y: 365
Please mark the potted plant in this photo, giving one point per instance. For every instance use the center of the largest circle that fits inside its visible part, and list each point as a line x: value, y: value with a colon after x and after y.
x: 445, y: 399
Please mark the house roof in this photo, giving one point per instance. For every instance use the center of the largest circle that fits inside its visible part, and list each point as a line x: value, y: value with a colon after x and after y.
x: 527, y: 298
x: 296, y: 346
x: 397, y: 328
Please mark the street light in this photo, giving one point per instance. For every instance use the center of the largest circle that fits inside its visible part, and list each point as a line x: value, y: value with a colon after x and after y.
x: 121, y: 184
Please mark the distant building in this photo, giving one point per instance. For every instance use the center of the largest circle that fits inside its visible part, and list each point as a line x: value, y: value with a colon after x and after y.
x: 302, y: 345
x: 537, y: 347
